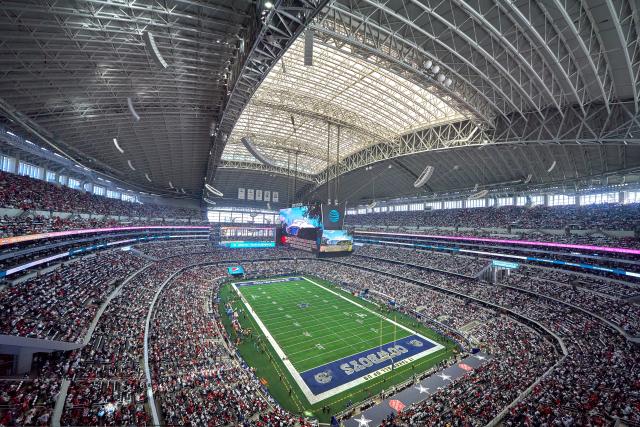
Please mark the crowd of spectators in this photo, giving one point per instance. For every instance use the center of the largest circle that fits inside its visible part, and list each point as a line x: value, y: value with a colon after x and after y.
x: 612, y: 288
x: 30, y: 401
x: 60, y: 304
x: 107, y: 378
x: 198, y: 381
x: 590, y: 217
x: 444, y: 261
x: 620, y: 312
x: 519, y: 357
x: 196, y: 378
x: 445, y: 309
x: 595, y: 384
x: 24, y: 225
x: 25, y: 193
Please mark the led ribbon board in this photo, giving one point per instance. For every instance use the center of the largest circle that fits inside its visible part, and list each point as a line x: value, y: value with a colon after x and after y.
x: 30, y: 237
x: 235, y: 270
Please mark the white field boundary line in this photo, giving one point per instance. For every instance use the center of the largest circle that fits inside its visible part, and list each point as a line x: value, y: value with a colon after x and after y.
x: 313, y: 398
x: 436, y: 346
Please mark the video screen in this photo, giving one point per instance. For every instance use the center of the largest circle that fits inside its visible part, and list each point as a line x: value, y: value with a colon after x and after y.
x: 297, y: 222
x: 298, y: 229
x: 336, y: 241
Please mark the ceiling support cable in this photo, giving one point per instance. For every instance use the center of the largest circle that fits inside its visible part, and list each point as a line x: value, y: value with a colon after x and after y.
x: 328, y: 161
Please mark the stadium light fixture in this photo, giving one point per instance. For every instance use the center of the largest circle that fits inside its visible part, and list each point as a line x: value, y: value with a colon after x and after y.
x: 151, y: 45
x: 268, y: 5
x: 115, y: 142
x: 132, y: 110
x: 213, y: 190
x: 435, y: 69
x: 255, y: 153
x: 424, y: 176
x: 478, y: 195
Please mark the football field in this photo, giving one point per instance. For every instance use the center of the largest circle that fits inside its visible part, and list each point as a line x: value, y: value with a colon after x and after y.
x: 328, y: 341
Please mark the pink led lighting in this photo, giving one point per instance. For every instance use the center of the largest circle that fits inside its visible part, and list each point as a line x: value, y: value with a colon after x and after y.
x: 30, y: 237
x: 626, y: 251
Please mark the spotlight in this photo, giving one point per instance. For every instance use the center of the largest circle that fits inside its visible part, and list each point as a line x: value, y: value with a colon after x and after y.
x: 268, y: 5
x: 428, y: 63
x: 447, y: 82
x: 435, y: 69
x: 441, y: 78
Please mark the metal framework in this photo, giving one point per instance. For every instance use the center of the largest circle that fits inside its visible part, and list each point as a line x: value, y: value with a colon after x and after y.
x: 536, y: 72
x: 69, y: 67
x: 282, y: 25
x: 392, y: 77
x: 297, y: 105
x: 436, y: 138
x: 229, y: 164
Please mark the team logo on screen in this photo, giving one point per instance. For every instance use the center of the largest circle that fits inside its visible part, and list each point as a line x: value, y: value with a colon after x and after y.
x: 323, y: 377
x: 334, y: 215
x: 416, y: 343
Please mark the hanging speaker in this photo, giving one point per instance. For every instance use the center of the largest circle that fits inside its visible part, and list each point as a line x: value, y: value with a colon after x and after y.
x: 132, y: 110
x: 214, y: 191
x: 255, y: 153
x: 478, y: 195
x: 308, y: 48
x: 424, y: 176
x: 150, y: 42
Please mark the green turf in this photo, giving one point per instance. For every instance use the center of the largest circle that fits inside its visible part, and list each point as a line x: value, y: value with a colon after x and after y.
x: 330, y: 328
x: 259, y: 354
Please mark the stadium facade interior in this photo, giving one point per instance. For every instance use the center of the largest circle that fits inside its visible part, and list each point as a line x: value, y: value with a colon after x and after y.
x: 320, y: 212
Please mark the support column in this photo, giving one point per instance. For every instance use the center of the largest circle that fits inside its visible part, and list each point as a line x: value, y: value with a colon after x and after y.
x: 22, y: 361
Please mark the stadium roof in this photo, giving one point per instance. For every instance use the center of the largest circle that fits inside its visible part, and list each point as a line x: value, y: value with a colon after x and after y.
x: 68, y: 68
x: 294, y: 106
x: 397, y: 78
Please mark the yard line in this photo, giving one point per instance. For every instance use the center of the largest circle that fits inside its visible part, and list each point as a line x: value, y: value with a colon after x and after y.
x: 354, y: 348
